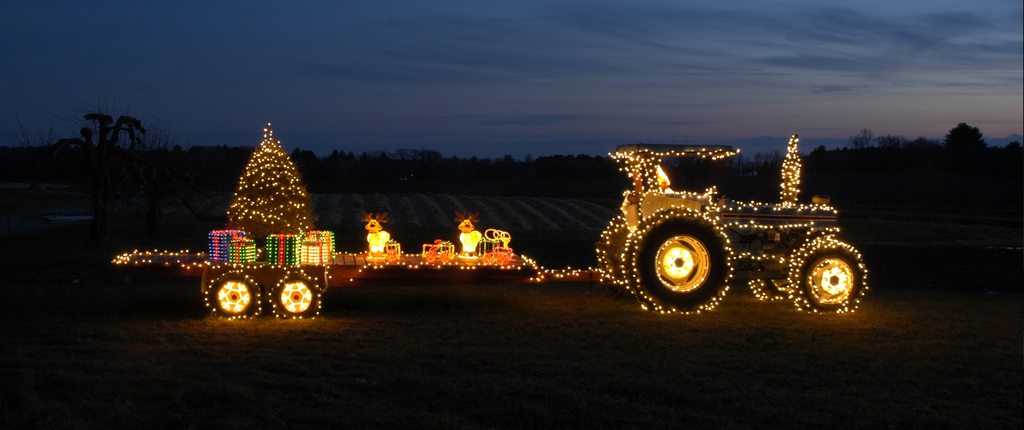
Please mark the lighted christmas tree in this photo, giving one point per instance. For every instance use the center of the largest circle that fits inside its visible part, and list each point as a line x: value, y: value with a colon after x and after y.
x: 271, y: 197
x: 791, y: 174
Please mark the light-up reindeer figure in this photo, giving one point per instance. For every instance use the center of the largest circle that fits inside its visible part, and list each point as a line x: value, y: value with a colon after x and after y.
x: 469, y: 237
x: 377, y: 237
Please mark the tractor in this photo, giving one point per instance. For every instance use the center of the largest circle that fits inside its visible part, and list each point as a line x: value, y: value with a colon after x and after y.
x: 679, y: 251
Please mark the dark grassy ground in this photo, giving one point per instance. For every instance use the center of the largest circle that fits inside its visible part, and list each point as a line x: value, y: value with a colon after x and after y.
x: 14, y: 197
x: 80, y: 348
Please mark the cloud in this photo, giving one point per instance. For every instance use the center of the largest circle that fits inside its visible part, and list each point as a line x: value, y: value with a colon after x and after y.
x: 534, y: 119
x: 816, y: 62
x: 527, y: 120
x: 826, y: 89
x: 681, y: 122
x: 533, y: 71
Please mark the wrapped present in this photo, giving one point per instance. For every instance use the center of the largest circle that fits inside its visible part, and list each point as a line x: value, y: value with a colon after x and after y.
x: 497, y: 257
x: 243, y: 250
x: 494, y: 248
x: 318, y: 248
x: 284, y: 249
x: 392, y: 252
x: 220, y: 243
x: 440, y: 252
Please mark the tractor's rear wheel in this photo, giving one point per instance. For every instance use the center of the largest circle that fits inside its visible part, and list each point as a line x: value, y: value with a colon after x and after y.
x: 682, y: 267
x: 610, y: 253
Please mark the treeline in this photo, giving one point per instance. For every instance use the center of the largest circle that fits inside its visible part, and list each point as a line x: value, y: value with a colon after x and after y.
x: 924, y: 173
x: 217, y: 168
x: 427, y: 171
x: 959, y: 172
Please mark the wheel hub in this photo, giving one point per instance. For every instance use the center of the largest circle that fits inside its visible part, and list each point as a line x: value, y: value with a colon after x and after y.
x: 683, y: 263
x: 832, y: 281
x: 296, y: 297
x: 233, y: 297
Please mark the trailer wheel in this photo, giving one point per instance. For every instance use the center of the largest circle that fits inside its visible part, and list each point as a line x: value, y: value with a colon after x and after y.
x: 296, y: 296
x: 831, y: 277
x: 682, y: 267
x: 233, y: 295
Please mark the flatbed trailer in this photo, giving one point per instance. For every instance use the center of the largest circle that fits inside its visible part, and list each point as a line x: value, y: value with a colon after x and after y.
x: 266, y: 282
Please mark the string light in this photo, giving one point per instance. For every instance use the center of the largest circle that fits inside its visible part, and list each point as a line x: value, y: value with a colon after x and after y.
x: 243, y: 250
x: 271, y: 197
x: 835, y: 259
x: 220, y: 243
x: 469, y: 236
x: 284, y: 249
x: 440, y: 252
x: 791, y: 173
x: 392, y: 252
x: 296, y: 295
x: 495, y: 249
x: 233, y: 295
x: 759, y: 238
x: 318, y: 248
x: 822, y: 274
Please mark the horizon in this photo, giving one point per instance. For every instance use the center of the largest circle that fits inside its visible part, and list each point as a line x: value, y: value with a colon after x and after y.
x: 754, y: 145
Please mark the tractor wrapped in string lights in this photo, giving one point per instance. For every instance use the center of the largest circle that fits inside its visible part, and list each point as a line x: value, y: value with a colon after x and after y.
x: 678, y: 251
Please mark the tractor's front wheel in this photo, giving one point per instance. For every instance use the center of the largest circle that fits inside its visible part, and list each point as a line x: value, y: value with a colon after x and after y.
x: 682, y: 267
x: 831, y: 278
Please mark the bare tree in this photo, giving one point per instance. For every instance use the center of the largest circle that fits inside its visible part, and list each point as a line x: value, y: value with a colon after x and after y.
x: 862, y: 139
x: 164, y: 173
x: 892, y: 141
x: 106, y: 154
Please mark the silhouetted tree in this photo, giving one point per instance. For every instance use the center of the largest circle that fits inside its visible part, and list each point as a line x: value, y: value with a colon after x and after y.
x: 965, y: 149
x: 105, y: 153
x: 862, y: 139
x: 164, y: 172
x: 964, y: 137
x: 891, y: 142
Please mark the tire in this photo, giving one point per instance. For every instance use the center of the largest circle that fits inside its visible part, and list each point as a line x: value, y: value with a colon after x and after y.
x: 610, y: 253
x: 296, y: 296
x: 233, y: 295
x: 682, y: 267
x: 830, y: 279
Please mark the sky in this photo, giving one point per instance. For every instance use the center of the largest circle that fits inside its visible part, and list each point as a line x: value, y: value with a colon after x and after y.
x: 472, y: 78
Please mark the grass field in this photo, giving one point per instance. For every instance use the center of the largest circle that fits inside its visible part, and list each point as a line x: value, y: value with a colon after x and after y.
x: 15, y: 196
x: 81, y: 348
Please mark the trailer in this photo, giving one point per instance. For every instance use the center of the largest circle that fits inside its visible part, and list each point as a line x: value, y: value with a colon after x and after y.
x: 244, y: 290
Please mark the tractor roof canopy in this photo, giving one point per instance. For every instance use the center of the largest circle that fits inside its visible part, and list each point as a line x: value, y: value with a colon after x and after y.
x: 659, y: 150
x: 642, y: 160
